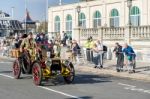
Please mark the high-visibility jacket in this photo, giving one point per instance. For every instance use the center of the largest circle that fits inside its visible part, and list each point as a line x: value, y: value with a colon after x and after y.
x: 87, y: 44
x: 91, y: 44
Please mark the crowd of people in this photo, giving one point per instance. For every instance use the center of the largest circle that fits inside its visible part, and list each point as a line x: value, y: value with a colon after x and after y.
x: 125, y: 55
x: 93, y: 51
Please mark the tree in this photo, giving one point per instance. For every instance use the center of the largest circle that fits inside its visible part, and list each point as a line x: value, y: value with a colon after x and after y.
x: 43, y: 27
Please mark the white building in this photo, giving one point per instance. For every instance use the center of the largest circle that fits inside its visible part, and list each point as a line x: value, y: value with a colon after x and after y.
x: 97, y: 13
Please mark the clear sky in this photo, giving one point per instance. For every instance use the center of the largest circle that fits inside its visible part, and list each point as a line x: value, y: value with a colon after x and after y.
x: 35, y: 7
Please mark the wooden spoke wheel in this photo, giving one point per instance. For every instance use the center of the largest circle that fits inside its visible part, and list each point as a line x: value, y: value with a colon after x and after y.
x: 16, y: 69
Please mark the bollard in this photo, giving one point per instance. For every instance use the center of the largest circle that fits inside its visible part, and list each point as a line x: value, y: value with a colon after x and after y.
x: 109, y: 54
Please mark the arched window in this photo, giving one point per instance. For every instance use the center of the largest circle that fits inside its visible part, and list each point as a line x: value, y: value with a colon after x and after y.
x: 69, y: 25
x: 114, y: 18
x: 57, y: 24
x: 97, y: 19
x: 82, y: 20
x: 135, y: 16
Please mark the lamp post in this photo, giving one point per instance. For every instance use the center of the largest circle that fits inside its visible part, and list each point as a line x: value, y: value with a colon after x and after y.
x: 46, y: 16
x: 25, y: 17
x: 129, y: 5
x: 78, y: 8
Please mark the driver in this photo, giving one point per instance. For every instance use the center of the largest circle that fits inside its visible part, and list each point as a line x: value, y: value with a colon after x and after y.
x: 29, y: 44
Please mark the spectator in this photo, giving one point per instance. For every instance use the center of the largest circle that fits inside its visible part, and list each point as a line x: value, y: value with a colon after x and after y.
x: 65, y: 37
x: 100, y: 48
x: 120, y: 57
x: 57, y: 49
x: 74, y: 51
x: 87, y: 46
x: 91, y: 46
x: 130, y: 57
x: 95, y: 55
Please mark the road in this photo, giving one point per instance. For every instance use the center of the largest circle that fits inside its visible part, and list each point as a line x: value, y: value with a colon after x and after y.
x: 85, y: 86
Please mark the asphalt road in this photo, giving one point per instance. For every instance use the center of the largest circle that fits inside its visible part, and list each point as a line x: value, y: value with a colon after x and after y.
x: 85, y: 86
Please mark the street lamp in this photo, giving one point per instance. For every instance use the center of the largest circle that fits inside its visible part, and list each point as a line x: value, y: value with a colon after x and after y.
x: 129, y: 5
x: 78, y: 8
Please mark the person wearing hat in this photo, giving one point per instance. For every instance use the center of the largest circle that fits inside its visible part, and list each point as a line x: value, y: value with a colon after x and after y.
x: 29, y: 44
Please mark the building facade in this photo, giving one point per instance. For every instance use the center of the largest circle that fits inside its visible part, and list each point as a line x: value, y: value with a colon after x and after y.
x: 98, y: 13
x: 8, y: 26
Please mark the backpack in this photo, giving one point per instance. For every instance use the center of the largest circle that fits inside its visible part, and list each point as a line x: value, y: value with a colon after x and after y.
x: 104, y: 48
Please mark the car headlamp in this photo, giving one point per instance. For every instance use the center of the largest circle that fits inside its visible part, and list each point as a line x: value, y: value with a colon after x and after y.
x: 48, y: 62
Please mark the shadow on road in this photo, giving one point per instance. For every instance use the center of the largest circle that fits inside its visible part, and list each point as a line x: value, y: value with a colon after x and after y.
x: 84, y: 97
x: 81, y: 79
x: 90, y: 79
x: 5, y: 71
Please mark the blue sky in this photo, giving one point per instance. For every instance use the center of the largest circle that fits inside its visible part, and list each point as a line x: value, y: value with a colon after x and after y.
x: 35, y: 7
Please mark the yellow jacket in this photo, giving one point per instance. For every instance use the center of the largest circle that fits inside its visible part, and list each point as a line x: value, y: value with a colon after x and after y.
x: 87, y: 44
x: 91, y: 44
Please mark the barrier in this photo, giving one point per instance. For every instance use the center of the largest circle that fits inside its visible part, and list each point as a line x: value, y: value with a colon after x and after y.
x: 15, y: 53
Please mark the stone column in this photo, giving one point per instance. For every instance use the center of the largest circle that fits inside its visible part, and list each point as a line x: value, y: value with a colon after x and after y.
x: 100, y: 34
x: 128, y: 34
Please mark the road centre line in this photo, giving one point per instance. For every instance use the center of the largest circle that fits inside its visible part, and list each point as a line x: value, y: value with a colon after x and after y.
x: 126, y: 85
x: 59, y: 92
x: 134, y: 88
x: 7, y: 76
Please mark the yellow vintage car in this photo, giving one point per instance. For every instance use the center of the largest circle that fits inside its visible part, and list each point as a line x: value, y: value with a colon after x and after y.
x: 51, y: 68
x: 43, y: 65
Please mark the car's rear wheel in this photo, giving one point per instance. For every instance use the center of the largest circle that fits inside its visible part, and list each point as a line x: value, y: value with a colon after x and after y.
x: 26, y: 64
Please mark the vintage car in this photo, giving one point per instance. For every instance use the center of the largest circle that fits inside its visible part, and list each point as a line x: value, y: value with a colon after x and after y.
x: 43, y: 65
x: 51, y: 68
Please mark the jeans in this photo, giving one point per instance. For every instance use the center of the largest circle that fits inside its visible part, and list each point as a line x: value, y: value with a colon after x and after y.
x: 101, y: 56
x: 96, y: 60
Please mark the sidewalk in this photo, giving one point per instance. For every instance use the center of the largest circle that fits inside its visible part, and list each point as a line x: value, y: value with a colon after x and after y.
x: 142, y: 70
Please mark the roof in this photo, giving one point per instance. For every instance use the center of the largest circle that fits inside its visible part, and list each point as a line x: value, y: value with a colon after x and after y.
x: 4, y: 14
x: 28, y: 19
x: 10, y: 25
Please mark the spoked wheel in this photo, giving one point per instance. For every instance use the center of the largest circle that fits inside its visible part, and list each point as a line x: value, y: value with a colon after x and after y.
x: 69, y: 79
x: 37, y: 74
x: 16, y: 69
x: 26, y: 64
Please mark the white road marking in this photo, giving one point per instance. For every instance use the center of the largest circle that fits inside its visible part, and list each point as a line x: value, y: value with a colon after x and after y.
x: 59, y: 92
x: 7, y: 76
x: 4, y: 62
x: 134, y: 88
x: 126, y: 85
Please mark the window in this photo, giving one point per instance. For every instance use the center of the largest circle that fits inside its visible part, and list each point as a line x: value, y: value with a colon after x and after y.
x: 82, y: 20
x: 57, y: 24
x: 135, y: 16
x: 97, y: 19
x: 69, y: 25
x: 114, y: 18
